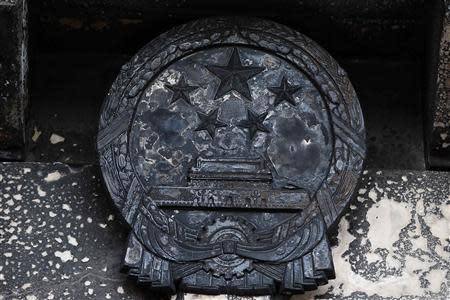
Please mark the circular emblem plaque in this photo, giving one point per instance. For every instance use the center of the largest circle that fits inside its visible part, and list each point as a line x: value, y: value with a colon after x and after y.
x: 230, y: 146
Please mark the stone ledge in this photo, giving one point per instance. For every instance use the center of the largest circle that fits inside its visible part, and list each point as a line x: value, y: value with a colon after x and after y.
x: 60, y: 237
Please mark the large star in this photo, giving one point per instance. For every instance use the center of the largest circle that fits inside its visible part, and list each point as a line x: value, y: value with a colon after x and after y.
x: 284, y: 92
x: 234, y: 76
x: 181, y: 91
x: 254, y: 123
x: 209, y: 122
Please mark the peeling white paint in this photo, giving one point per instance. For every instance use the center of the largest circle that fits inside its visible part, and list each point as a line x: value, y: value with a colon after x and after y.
x: 36, y: 134
x: 65, y: 256
x: 386, y: 219
x: 53, y: 176
x: 41, y: 193
x: 71, y: 240
x: 55, y: 139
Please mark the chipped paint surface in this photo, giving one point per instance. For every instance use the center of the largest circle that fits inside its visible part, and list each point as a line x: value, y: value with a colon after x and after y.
x: 50, y: 240
x: 394, y: 243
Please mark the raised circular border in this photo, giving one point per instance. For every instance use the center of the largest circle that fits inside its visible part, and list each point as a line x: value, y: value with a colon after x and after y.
x: 331, y: 80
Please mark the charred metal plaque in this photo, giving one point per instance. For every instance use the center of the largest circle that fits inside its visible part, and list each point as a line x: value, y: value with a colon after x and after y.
x: 230, y: 146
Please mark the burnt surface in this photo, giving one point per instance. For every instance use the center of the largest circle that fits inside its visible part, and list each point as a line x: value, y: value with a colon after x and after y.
x: 231, y: 146
x: 75, y: 38
x: 390, y: 96
x: 60, y: 228
x: 438, y: 125
x: 389, y: 93
x: 13, y: 78
x: 67, y: 92
x: 380, y: 45
x: 349, y: 26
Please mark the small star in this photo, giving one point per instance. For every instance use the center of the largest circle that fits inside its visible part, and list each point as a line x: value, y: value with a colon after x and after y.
x: 181, y: 91
x: 284, y: 92
x: 254, y: 123
x: 209, y: 122
x: 234, y: 76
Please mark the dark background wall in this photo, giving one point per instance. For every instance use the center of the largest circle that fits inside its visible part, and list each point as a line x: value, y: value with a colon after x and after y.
x: 78, y: 47
x: 348, y: 27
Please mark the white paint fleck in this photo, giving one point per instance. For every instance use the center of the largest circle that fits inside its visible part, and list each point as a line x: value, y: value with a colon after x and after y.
x: 55, y: 139
x: 207, y: 297
x: 36, y: 134
x: 65, y: 256
x: 17, y: 197
x: 420, y: 208
x: 41, y: 193
x: 120, y: 290
x: 71, y: 240
x: 26, y: 170
x: 439, y: 124
x: 66, y: 207
x: 373, y: 195
x: 85, y: 259
x: 26, y: 286
x: 53, y: 176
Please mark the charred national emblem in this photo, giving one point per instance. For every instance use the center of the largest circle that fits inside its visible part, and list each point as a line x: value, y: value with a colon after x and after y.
x: 231, y: 146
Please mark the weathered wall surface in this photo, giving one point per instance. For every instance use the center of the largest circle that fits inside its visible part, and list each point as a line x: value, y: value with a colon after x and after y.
x: 13, y: 77
x: 347, y: 27
x: 61, y: 239
x: 440, y: 136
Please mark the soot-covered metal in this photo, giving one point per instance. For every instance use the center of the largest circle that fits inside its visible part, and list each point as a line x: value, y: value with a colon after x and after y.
x: 231, y: 146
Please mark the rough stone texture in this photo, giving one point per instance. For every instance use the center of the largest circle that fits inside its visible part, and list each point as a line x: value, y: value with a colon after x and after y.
x: 13, y: 74
x: 59, y: 235
x: 60, y: 239
x: 440, y: 135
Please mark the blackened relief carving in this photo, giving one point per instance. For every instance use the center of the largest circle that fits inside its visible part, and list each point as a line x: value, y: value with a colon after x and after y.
x: 230, y: 151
